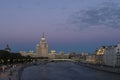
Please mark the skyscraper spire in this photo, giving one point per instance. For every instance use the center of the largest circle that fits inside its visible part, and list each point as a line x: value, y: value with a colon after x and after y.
x: 43, y: 35
x: 43, y: 38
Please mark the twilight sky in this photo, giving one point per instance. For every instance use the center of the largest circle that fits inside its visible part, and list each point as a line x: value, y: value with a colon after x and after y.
x: 69, y: 25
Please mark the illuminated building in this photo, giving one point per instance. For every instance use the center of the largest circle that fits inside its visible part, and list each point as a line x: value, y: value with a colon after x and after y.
x: 100, y: 51
x: 42, y: 48
x: 52, y: 55
x: 90, y: 59
x: 99, y: 55
x: 30, y: 53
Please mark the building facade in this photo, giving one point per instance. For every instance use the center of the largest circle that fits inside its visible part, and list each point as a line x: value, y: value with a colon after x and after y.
x: 99, y: 55
x: 112, y: 55
x: 42, y: 48
x: 52, y: 55
x: 91, y: 59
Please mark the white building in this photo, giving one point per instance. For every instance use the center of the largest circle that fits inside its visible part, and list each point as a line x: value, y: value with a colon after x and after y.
x: 23, y: 53
x: 52, y: 55
x: 111, y: 55
x: 42, y: 48
x: 30, y: 53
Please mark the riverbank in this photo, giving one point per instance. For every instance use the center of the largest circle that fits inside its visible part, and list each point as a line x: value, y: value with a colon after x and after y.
x: 13, y: 73
x: 101, y: 67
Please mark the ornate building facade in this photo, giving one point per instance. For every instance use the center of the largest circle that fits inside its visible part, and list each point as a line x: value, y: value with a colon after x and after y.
x: 7, y: 48
x: 42, y: 48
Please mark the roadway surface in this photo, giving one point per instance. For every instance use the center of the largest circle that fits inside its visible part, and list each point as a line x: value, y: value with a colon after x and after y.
x: 65, y: 71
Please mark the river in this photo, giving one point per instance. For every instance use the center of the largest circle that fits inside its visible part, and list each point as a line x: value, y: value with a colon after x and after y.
x: 65, y: 71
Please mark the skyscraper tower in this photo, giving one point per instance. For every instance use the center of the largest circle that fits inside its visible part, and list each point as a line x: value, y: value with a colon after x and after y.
x: 42, y: 47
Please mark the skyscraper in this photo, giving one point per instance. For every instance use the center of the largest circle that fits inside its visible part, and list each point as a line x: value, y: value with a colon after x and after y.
x: 42, y: 48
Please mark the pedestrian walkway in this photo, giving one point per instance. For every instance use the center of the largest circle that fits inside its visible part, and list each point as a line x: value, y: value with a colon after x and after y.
x: 10, y: 73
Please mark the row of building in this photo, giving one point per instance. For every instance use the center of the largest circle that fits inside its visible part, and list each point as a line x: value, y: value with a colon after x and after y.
x: 106, y: 55
x: 51, y: 55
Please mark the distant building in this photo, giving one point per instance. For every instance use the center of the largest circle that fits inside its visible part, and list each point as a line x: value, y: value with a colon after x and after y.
x: 23, y: 53
x: 90, y: 59
x: 75, y: 56
x: 42, y: 48
x: 52, y: 55
x: 83, y: 57
x: 30, y: 53
x: 7, y: 48
x: 62, y: 55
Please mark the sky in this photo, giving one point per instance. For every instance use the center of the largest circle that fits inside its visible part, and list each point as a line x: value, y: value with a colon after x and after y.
x: 69, y: 25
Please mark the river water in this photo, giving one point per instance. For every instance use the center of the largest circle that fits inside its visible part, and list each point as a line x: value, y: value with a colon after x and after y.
x: 65, y: 71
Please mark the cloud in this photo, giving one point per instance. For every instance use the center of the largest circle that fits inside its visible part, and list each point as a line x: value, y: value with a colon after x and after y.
x: 106, y: 14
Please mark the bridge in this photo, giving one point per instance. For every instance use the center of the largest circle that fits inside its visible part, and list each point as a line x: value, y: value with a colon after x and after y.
x: 71, y: 60
x: 56, y: 60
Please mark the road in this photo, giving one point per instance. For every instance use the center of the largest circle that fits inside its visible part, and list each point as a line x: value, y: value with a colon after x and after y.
x: 65, y: 71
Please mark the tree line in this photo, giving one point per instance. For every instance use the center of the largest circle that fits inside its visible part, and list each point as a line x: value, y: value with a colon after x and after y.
x: 11, y: 58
